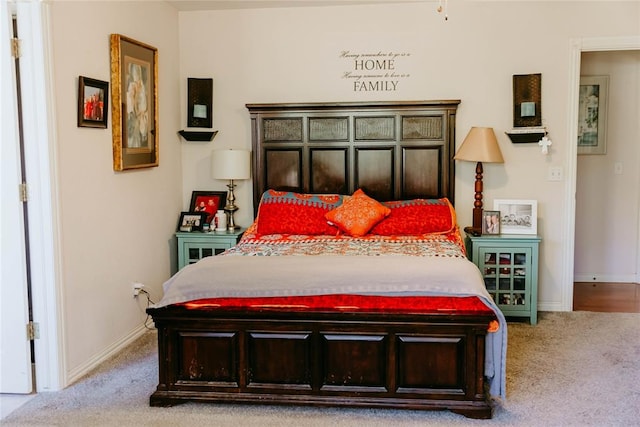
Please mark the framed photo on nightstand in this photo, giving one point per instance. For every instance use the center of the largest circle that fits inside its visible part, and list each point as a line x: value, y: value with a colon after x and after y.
x: 209, y: 202
x: 191, y: 221
x: 517, y: 216
x: 490, y: 222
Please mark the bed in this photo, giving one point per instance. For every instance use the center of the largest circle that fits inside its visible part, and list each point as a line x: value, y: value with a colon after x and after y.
x: 340, y: 293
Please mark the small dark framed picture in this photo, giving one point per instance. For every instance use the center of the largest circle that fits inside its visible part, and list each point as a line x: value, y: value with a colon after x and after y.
x: 199, y: 103
x: 208, y: 202
x: 191, y: 221
x: 490, y: 222
x: 93, y: 102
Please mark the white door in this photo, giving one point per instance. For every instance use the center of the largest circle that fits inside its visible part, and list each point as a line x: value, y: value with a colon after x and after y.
x: 15, y: 348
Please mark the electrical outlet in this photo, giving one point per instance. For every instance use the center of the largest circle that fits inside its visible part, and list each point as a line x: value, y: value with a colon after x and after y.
x: 617, y: 168
x: 554, y: 174
x: 137, y: 287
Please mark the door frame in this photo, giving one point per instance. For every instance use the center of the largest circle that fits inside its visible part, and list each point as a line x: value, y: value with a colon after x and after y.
x: 15, y: 363
x: 577, y: 46
x: 43, y: 213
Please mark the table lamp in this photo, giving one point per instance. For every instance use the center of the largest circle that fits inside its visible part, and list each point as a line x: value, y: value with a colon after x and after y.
x: 479, y: 146
x: 231, y: 165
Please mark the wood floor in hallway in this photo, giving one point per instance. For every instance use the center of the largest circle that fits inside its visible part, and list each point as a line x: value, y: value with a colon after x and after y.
x: 606, y: 297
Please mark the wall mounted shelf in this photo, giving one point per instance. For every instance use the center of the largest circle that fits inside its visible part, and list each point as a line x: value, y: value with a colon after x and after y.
x: 526, y: 134
x: 199, y: 136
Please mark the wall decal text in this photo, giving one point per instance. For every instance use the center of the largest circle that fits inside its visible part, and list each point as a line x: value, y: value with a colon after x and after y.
x: 374, y: 72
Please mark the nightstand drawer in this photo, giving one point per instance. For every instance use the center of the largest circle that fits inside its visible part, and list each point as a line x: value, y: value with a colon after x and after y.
x: 194, y: 246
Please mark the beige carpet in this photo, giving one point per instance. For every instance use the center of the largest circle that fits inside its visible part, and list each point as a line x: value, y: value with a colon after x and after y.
x: 572, y: 369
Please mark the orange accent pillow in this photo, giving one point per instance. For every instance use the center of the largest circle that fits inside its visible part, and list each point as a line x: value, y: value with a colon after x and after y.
x: 357, y: 214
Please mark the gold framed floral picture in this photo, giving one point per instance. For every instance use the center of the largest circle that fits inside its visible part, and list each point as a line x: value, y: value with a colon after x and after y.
x: 134, y: 101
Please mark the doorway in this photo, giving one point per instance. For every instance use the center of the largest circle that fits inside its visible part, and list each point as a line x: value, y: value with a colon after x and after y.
x: 607, y: 207
x: 578, y: 46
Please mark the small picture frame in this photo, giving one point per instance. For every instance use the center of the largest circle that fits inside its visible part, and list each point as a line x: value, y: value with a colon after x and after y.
x: 93, y: 102
x: 208, y: 202
x: 490, y: 222
x: 517, y: 216
x: 191, y: 221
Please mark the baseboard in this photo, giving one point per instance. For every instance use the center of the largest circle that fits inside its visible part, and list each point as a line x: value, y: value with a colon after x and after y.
x: 610, y: 278
x: 77, y: 373
x: 550, y: 306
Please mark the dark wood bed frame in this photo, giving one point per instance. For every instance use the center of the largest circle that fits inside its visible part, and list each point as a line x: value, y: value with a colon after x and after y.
x: 393, y: 150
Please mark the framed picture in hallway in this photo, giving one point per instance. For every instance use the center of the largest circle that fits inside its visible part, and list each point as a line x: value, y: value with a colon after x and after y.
x: 592, y: 114
x: 134, y: 96
x: 93, y: 102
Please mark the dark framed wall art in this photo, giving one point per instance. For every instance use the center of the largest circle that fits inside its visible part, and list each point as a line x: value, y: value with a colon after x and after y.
x: 93, y: 102
x: 134, y: 96
x: 199, y: 103
x: 527, y: 100
x: 592, y: 114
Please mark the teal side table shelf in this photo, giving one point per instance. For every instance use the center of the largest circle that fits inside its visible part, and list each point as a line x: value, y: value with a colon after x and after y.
x: 509, y: 266
x: 195, y: 245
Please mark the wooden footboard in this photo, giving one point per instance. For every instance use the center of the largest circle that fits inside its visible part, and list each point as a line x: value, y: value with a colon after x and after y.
x: 334, y: 359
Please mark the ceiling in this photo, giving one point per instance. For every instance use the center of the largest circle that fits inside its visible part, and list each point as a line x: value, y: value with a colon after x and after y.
x: 193, y: 5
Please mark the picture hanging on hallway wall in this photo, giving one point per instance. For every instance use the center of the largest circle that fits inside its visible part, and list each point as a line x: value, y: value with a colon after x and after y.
x: 134, y: 96
x: 592, y: 114
x: 93, y: 102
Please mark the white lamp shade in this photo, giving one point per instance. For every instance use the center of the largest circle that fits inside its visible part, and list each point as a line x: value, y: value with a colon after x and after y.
x: 231, y: 164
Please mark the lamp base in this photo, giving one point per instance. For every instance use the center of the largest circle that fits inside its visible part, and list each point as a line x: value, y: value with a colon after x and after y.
x: 231, y: 207
x: 473, y: 231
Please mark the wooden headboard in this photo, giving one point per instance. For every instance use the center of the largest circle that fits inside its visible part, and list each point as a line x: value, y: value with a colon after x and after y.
x: 392, y: 150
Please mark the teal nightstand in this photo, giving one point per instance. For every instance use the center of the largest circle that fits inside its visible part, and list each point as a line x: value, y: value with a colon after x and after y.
x: 509, y: 266
x: 195, y: 245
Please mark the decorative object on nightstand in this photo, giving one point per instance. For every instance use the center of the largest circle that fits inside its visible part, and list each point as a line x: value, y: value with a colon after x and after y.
x: 479, y: 146
x: 517, y: 216
x: 192, y: 247
x: 509, y: 267
x: 231, y: 165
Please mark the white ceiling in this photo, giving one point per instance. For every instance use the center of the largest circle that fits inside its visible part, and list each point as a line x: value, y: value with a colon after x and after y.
x: 191, y: 5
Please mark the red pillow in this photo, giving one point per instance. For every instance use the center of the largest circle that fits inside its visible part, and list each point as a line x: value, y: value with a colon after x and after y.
x: 286, y: 212
x: 357, y: 214
x: 419, y: 216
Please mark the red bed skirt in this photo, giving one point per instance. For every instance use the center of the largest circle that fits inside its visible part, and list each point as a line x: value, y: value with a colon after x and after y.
x: 348, y: 302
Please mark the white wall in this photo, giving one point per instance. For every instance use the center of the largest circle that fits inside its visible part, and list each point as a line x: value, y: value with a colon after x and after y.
x: 116, y: 227
x: 608, y: 204
x: 292, y: 55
